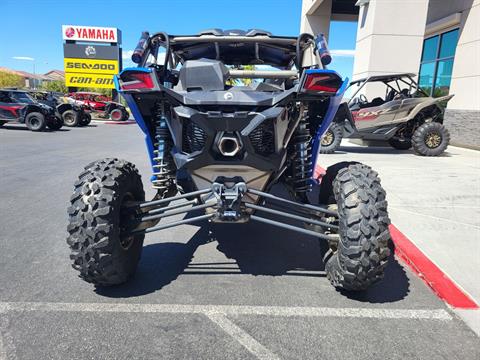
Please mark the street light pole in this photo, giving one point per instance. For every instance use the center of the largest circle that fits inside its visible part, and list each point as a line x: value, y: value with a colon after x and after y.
x: 34, y: 77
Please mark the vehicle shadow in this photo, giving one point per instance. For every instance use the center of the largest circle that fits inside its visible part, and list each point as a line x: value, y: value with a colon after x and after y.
x: 84, y: 126
x: 276, y: 252
x: 160, y: 264
x: 21, y: 127
x: 393, y: 287
x: 13, y: 127
x: 257, y: 249
x: 379, y: 150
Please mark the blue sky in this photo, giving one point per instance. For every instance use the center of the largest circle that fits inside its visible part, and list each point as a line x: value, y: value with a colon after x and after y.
x: 35, y: 26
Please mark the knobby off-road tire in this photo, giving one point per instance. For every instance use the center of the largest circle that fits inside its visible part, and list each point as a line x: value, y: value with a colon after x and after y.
x: 331, y: 139
x: 116, y: 115
x: 86, y: 119
x: 99, y: 250
x: 71, y: 118
x: 430, y: 139
x: 400, y: 143
x: 55, y: 124
x: 35, y: 121
x: 126, y: 115
x: 362, y: 252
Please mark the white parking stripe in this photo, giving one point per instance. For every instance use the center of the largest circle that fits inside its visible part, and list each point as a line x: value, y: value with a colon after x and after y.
x: 252, y: 345
x: 435, y: 314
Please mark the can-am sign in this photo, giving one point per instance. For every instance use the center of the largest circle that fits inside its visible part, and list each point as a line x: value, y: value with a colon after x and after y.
x: 90, y: 33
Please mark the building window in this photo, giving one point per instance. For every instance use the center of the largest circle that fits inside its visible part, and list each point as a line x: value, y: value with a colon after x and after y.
x: 437, y: 63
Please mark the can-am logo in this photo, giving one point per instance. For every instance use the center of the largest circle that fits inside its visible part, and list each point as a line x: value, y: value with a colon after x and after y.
x: 90, y: 33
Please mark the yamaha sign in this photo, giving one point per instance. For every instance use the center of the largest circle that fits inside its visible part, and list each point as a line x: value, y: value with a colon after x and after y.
x: 92, y: 55
x: 90, y: 33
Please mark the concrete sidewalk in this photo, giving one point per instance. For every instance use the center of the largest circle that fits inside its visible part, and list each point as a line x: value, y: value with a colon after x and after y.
x: 436, y: 203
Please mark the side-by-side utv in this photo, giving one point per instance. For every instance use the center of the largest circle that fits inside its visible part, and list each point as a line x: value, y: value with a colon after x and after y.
x: 69, y: 114
x: 216, y: 150
x: 405, y: 116
x: 17, y: 106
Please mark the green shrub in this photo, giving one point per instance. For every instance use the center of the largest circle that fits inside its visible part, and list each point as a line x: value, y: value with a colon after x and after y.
x: 8, y: 79
x: 57, y: 85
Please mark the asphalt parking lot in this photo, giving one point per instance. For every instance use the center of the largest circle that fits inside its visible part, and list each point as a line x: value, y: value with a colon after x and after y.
x: 201, y: 292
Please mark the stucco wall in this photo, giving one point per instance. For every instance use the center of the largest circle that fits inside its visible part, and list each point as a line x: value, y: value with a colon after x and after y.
x: 389, y: 38
x: 466, y: 68
x: 316, y: 15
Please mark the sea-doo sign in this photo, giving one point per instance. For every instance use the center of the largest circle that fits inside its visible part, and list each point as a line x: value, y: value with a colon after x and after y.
x: 91, y: 66
x: 90, y: 33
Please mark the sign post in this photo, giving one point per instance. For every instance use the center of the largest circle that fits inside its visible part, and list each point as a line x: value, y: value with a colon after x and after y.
x: 92, y: 56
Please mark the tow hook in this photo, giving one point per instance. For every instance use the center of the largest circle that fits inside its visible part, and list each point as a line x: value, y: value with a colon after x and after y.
x: 229, y: 200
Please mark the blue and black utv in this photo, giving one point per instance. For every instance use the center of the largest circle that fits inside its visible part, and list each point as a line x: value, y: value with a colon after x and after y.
x: 226, y: 115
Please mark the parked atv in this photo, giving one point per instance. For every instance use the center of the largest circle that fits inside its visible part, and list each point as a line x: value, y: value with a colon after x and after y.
x: 101, y: 106
x: 218, y: 149
x: 405, y: 116
x: 16, y: 106
x: 70, y: 114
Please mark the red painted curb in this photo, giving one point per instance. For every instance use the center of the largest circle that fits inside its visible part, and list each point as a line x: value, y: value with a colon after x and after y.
x: 430, y: 273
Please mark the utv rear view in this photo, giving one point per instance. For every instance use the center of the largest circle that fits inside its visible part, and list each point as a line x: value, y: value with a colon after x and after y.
x: 217, y: 145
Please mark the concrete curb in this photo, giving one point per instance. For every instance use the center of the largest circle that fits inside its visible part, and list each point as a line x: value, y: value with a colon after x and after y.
x: 110, y: 122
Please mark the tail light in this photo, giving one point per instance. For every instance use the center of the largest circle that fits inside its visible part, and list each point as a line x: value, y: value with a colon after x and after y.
x: 135, y: 80
x: 322, y: 81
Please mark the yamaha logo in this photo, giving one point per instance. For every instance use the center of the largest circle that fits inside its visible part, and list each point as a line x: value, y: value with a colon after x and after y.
x: 228, y: 96
x: 90, y: 51
x: 69, y: 32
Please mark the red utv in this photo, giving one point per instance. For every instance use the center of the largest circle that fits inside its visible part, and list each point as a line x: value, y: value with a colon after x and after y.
x: 101, y: 105
x: 16, y: 106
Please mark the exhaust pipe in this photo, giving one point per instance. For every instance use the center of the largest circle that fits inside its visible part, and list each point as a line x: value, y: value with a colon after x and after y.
x: 228, y: 145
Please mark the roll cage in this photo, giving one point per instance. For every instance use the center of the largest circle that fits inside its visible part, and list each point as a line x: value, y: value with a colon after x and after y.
x: 288, y: 55
x: 392, y: 83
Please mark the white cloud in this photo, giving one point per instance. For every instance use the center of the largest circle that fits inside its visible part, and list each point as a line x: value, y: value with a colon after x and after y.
x: 126, y: 55
x: 23, y: 58
x: 344, y: 53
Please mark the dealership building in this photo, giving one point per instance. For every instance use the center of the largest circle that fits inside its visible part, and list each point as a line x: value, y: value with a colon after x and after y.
x: 439, y: 40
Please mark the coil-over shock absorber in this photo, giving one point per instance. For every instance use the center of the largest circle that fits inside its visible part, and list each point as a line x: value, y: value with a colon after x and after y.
x: 164, y: 168
x: 301, y: 158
